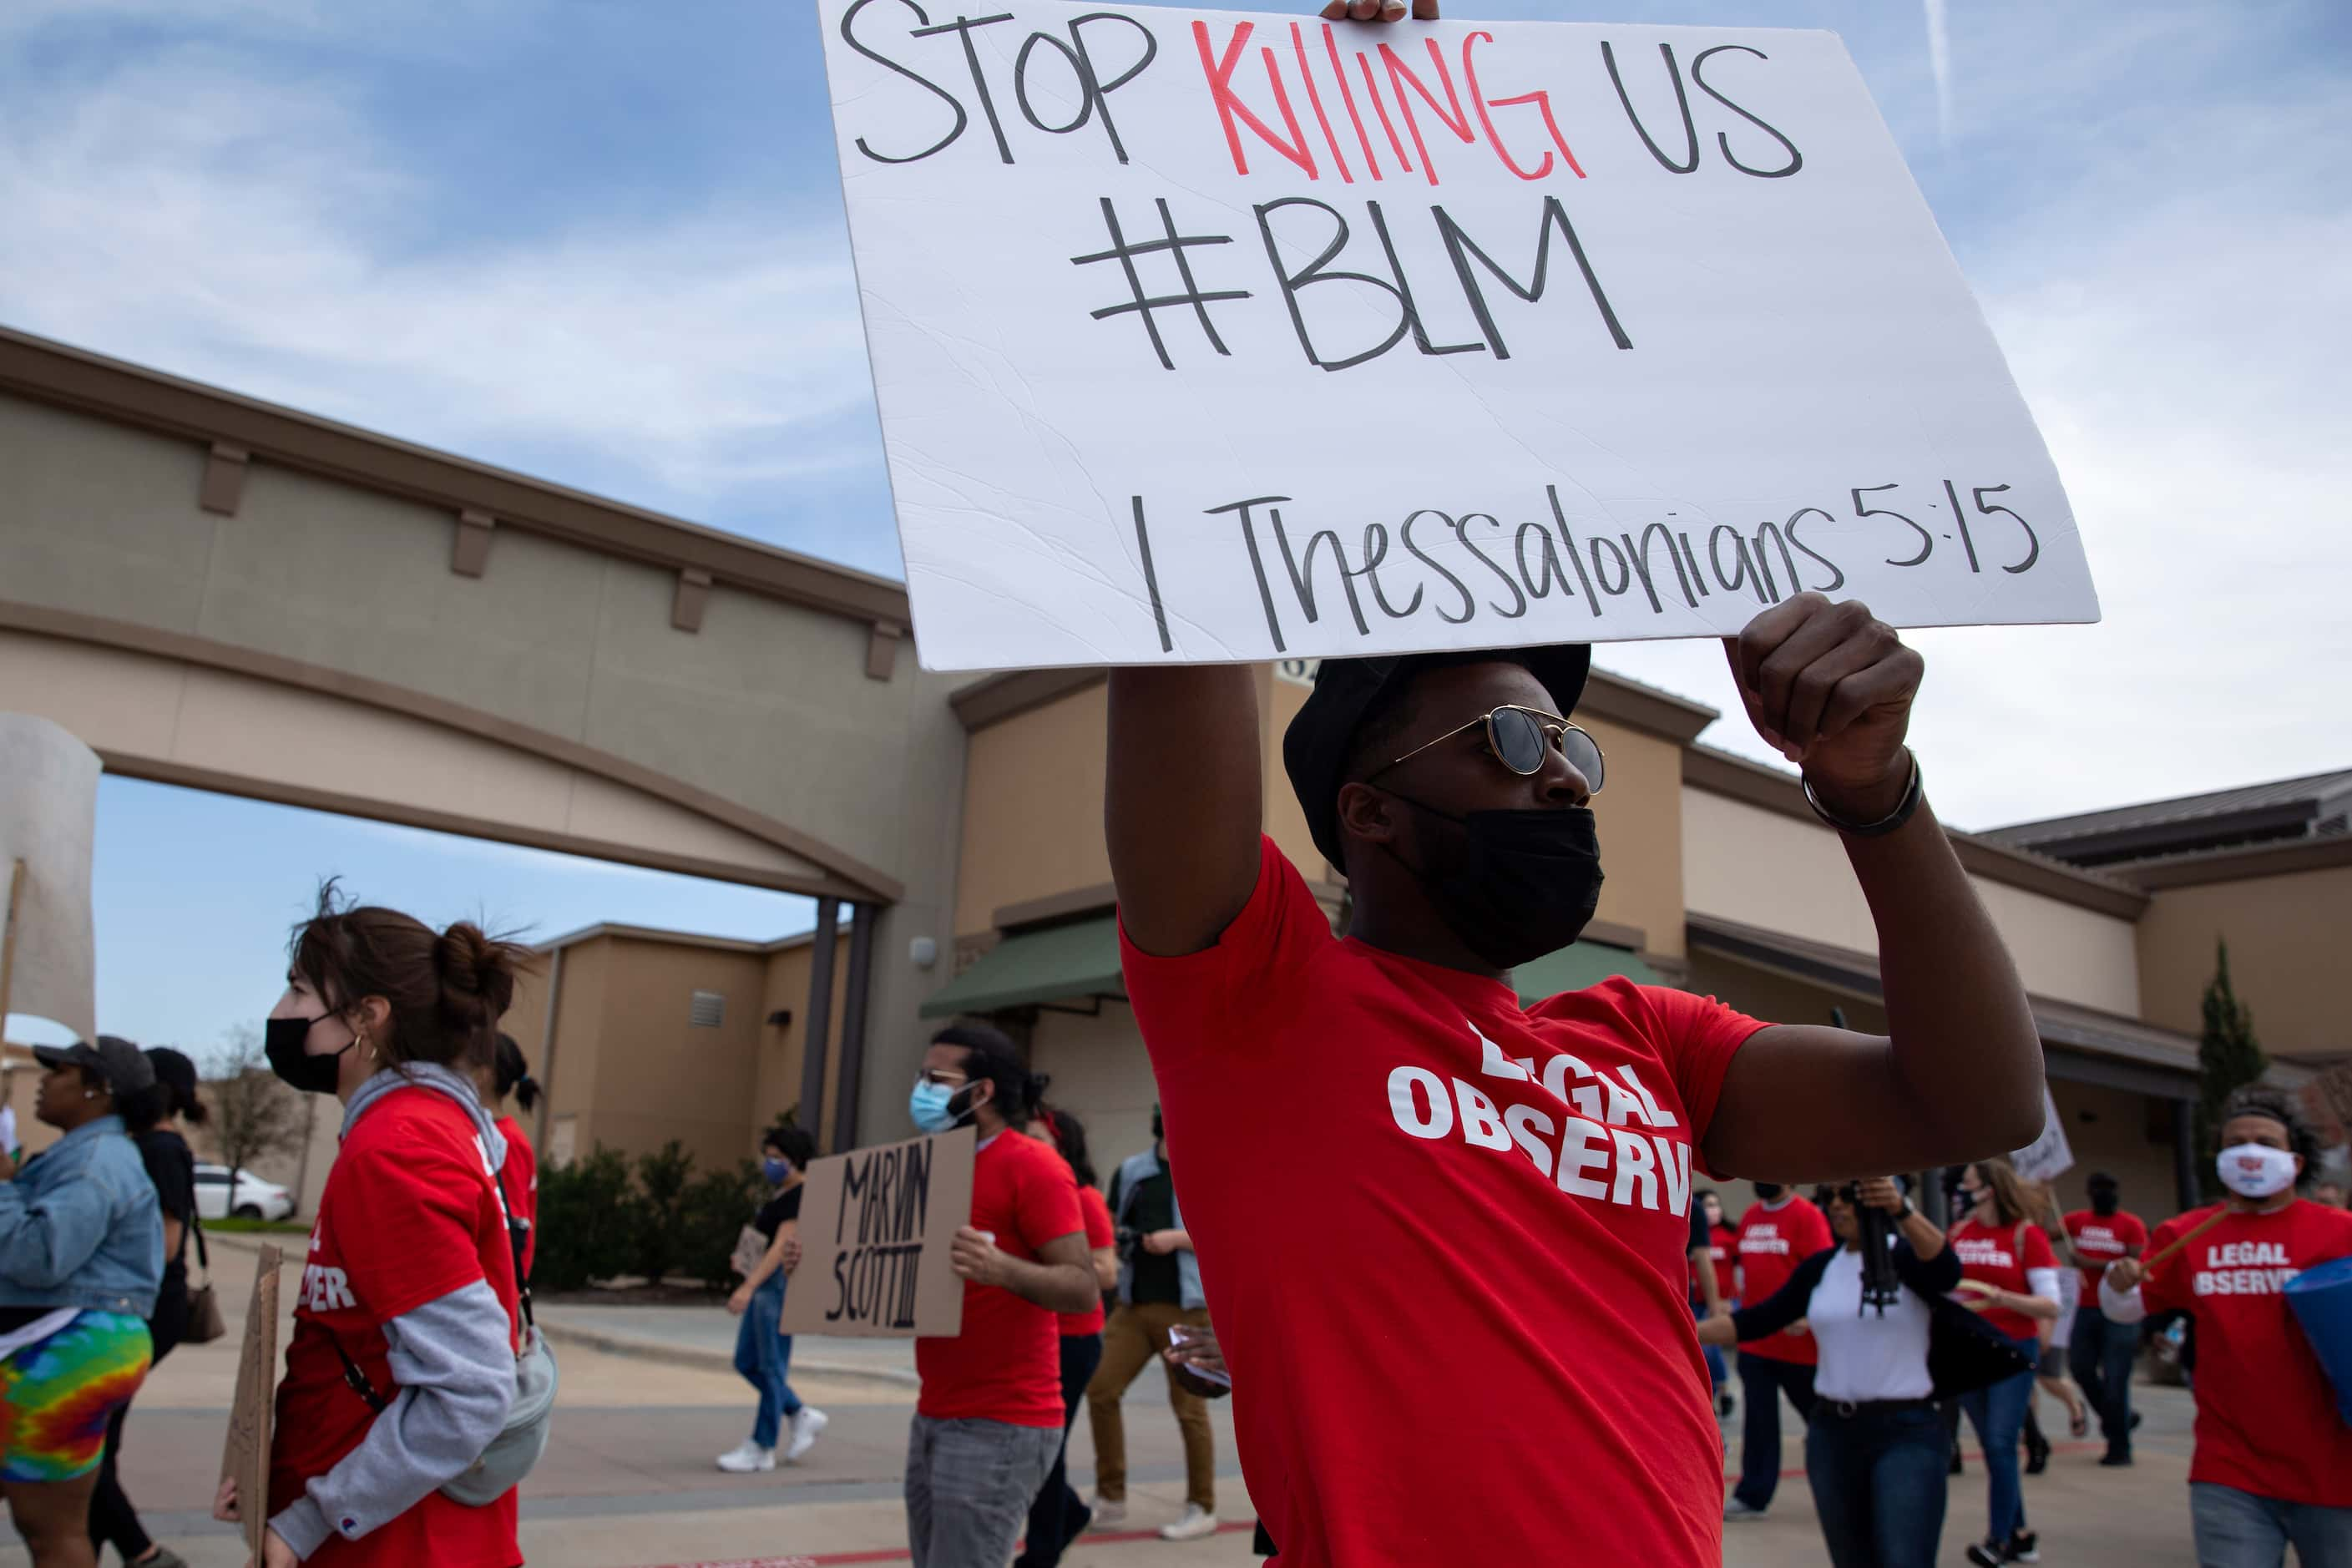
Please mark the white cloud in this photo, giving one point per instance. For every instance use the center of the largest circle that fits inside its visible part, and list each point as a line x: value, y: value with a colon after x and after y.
x: 193, y: 211
x: 2179, y: 326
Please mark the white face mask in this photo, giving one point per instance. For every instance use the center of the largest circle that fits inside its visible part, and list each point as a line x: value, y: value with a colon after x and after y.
x: 2256, y: 1170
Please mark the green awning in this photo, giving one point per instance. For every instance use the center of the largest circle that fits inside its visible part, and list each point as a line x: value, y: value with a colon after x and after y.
x: 1577, y: 965
x: 1055, y: 964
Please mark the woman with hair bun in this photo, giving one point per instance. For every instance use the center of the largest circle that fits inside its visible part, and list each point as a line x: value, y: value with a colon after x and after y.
x: 401, y: 1370
x: 507, y: 1074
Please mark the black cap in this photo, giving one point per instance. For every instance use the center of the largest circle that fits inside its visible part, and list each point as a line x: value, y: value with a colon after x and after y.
x: 122, y: 1066
x: 1314, y: 747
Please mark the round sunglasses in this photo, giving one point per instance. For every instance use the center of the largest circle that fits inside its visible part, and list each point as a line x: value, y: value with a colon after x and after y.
x: 1518, y: 737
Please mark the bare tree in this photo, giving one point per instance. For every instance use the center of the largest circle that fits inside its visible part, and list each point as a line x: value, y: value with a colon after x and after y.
x: 254, y: 1113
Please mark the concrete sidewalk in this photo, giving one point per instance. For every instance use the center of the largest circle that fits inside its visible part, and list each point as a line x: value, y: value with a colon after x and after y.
x: 704, y: 1337
x: 629, y: 1480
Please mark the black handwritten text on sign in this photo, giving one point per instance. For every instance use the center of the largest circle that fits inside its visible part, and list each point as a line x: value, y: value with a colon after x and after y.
x: 1188, y: 327
x: 879, y: 1225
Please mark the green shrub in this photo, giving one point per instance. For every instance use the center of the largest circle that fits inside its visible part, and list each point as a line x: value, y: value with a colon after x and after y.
x: 658, y: 1211
x: 584, y: 1228
x: 714, y: 1211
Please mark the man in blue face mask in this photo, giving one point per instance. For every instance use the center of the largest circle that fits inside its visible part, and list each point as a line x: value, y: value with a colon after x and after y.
x: 1499, y: 1193
x: 989, y: 1422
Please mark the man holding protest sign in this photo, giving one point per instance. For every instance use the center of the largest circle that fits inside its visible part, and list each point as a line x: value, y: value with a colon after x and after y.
x: 990, y: 1419
x: 1524, y: 1175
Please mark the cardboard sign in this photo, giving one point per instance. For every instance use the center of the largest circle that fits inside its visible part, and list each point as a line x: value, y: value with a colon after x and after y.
x: 245, y: 1457
x: 875, y: 1226
x: 1212, y: 337
x: 2050, y: 1156
x: 48, y: 807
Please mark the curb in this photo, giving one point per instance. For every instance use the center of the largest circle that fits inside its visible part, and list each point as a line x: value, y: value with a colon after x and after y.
x: 644, y: 1347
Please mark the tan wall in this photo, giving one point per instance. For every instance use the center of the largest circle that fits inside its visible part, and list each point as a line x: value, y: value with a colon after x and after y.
x: 2286, y: 937
x: 1101, y: 1071
x: 151, y: 712
x: 1639, y: 813
x: 657, y: 1075
x: 1745, y: 863
x: 573, y: 1075
x: 2116, y: 1141
x: 1032, y: 808
x: 783, y: 1051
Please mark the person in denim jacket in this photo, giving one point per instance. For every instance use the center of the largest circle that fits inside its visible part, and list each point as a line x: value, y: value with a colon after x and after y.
x: 82, y: 1256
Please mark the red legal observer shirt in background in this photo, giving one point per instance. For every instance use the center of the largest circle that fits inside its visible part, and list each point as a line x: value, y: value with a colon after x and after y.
x: 407, y: 1216
x: 520, y: 1180
x: 1720, y: 1239
x: 2101, y: 1239
x: 1006, y: 1365
x: 1772, y: 1243
x: 1999, y: 1256
x: 2267, y: 1420
x: 1099, y: 1233
x: 1517, y: 1182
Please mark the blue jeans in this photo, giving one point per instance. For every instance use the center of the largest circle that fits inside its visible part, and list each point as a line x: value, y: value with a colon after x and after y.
x: 1878, y: 1483
x: 1997, y: 1414
x: 1718, y: 1372
x: 1762, y: 1381
x: 764, y: 1356
x: 2100, y: 1354
x: 2239, y: 1529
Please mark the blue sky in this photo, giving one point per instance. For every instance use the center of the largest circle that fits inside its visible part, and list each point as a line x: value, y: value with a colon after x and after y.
x: 603, y: 243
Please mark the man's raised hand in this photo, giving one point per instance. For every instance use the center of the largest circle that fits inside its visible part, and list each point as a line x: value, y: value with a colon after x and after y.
x: 1830, y: 686
x: 1379, y: 11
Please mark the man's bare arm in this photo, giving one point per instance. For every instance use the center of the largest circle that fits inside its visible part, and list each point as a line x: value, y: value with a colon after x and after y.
x: 1958, y: 1075
x: 1183, y: 801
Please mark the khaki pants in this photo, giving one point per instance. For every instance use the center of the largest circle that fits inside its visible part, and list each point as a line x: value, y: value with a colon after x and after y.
x: 1132, y: 1340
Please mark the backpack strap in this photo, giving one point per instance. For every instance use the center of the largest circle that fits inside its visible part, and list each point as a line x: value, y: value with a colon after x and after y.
x: 354, y: 1378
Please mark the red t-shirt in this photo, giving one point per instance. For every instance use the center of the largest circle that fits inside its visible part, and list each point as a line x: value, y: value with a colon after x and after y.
x: 1991, y: 1253
x: 407, y: 1216
x: 1099, y: 1233
x: 1472, y: 1283
x: 2101, y: 1239
x: 1006, y: 1364
x: 2267, y: 1420
x: 1723, y: 1238
x: 519, y: 1180
x: 1772, y: 1243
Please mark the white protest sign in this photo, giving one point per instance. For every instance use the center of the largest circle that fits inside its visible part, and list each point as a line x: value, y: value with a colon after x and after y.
x: 1210, y: 336
x: 48, y: 810
x: 2050, y: 1156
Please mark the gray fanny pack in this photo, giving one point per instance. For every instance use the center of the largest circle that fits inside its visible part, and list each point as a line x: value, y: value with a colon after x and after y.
x: 516, y: 1450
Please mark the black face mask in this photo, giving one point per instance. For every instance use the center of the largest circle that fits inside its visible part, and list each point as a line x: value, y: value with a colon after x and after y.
x: 1770, y: 1191
x: 2104, y: 1201
x: 1521, y: 883
x: 282, y: 1040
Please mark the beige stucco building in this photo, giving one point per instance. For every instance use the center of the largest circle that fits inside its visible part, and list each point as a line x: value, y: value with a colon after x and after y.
x: 217, y: 593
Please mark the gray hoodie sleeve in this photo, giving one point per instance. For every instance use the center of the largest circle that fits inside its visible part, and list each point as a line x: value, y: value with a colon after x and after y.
x: 455, y: 1368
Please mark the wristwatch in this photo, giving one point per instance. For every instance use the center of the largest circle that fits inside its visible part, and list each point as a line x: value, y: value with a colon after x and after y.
x: 1905, y: 1211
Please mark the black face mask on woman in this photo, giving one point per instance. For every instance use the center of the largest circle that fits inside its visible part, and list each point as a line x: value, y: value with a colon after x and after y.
x: 282, y: 1040
x: 1519, y: 884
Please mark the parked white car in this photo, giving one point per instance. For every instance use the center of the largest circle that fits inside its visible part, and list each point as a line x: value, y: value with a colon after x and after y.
x: 253, y: 1198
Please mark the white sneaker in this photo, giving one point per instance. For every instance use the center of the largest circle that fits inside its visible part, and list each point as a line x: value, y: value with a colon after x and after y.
x: 807, y: 1423
x: 1735, y: 1512
x: 1197, y: 1524
x: 746, y: 1457
x: 1110, y: 1513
